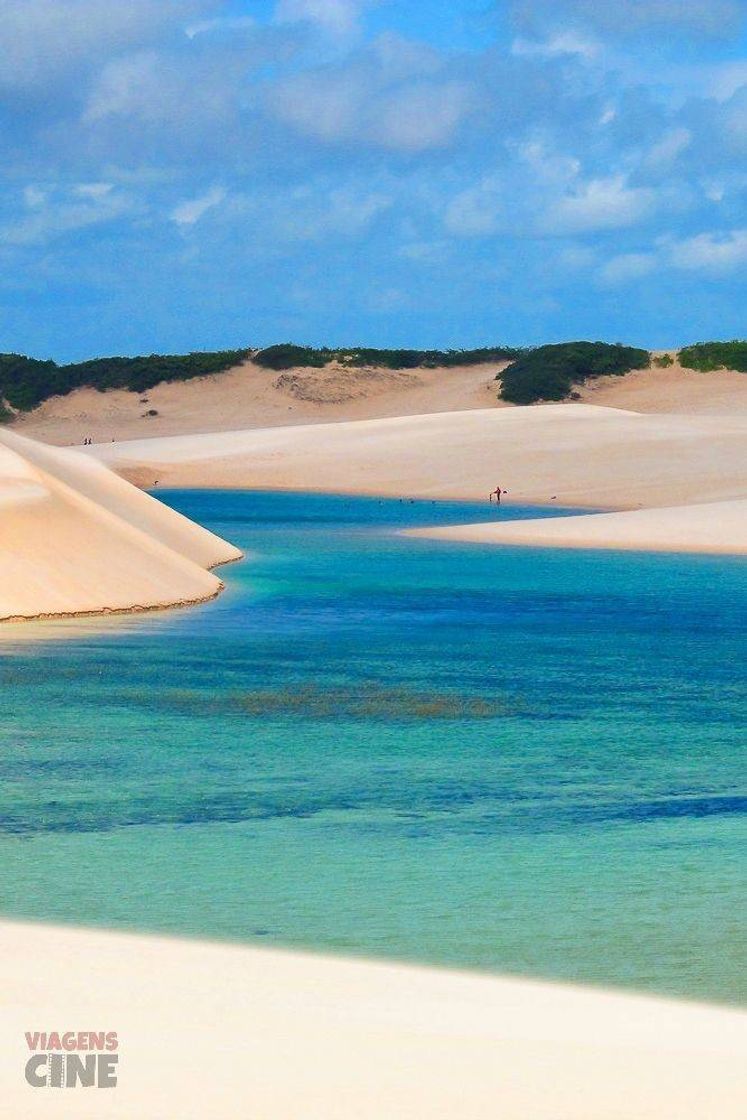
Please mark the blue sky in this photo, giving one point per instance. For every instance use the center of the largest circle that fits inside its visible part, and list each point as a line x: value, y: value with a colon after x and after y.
x: 199, y: 174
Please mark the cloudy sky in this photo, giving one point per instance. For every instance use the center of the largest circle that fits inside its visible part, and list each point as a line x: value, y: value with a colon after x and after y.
x: 198, y: 174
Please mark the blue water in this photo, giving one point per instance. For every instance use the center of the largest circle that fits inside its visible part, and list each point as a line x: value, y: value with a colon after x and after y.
x: 517, y: 760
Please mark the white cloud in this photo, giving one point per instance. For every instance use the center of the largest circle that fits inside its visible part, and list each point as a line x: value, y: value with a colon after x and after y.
x: 625, y: 17
x: 127, y: 86
x: 51, y: 216
x: 596, y: 205
x: 713, y: 252
x: 564, y: 42
x: 627, y: 267
x: 665, y: 151
x: 159, y: 105
x: 714, y: 191
x: 544, y: 193
x: 313, y: 213
x: 41, y: 39
x: 421, y: 116
x: 477, y: 211
x: 338, y: 17
x: 320, y: 210
x: 388, y: 97
x: 93, y: 190
x: 347, y: 212
x: 425, y: 252
x: 324, y: 107
x: 577, y: 257
x: 727, y: 79
x: 549, y: 168
x: 735, y: 119
x: 206, y: 26
x: 387, y: 300
x: 187, y: 213
x: 34, y: 197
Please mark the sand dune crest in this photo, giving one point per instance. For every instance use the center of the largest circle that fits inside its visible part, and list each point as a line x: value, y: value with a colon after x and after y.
x: 76, y: 539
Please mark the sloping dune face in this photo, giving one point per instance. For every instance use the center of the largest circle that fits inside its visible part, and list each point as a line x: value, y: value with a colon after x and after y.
x: 76, y: 539
x: 575, y: 454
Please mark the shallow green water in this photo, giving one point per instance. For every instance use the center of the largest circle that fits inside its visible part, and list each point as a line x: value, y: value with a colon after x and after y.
x: 527, y: 761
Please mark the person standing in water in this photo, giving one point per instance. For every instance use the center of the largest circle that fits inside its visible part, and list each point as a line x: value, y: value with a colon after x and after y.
x: 496, y: 494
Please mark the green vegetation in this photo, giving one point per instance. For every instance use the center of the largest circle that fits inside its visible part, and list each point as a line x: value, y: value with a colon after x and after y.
x: 26, y: 382
x: 287, y: 355
x: 549, y: 372
x: 546, y: 373
x: 707, y: 356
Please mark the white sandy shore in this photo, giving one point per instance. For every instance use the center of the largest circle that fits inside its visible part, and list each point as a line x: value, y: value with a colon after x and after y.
x: 76, y: 539
x: 220, y: 1032
x: 719, y: 527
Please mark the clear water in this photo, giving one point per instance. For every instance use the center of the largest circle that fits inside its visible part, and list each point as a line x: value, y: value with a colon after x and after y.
x: 517, y: 760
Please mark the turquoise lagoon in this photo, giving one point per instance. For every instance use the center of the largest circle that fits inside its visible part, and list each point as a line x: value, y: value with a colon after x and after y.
x: 517, y: 760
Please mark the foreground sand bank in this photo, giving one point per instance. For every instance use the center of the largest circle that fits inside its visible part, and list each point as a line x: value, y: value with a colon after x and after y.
x: 76, y: 539
x: 225, y: 1031
x: 719, y: 527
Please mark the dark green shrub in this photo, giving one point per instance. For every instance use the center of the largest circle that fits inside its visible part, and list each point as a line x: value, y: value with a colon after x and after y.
x: 26, y: 382
x: 288, y: 354
x: 428, y: 359
x: 707, y: 356
x: 548, y: 373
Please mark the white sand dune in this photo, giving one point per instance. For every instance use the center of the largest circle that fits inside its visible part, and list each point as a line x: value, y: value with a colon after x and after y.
x: 710, y: 527
x: 575, y: 455
x: 221, y: 1032
x: 76, y: 539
